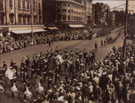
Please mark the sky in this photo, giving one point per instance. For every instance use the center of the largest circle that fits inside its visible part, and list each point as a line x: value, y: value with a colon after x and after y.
x: 115, y: 3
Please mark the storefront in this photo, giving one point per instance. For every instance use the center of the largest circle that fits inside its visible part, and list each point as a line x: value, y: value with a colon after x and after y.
x: 52, y: 30
x: 3, y: 31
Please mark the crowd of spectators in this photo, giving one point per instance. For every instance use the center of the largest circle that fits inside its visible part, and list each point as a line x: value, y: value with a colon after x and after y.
x: 9, y: 43
x: 12, y: 43
x: 75, y: 77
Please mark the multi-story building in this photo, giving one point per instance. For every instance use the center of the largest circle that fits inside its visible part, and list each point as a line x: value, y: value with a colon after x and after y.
x: 111, y: 20
x: 131, y: 23
x: 49, y: 12
x: 20, y: 12
x: 88, y: 11
x: 119, y: 17
x: 70, y: 12
x: 65, y: 12
x: 100, y: 13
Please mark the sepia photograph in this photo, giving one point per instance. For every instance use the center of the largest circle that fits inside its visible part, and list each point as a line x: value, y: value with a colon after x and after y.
x: 67, y: 51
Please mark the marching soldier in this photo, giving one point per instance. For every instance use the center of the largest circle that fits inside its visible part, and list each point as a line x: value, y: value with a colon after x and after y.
x: 26, y: 83
x: 76, y: 51
x: 11, y: 63
x: 57, y: 76
x: 96, y: 46
x: 105, y: 42
x: 50, y: 77
x: 49, y: 42
x: 27, y: 61
x: 102, y: 43
x: 45, y: 72
x: 56, y: 50
x: 87, y: 61
x: 84, y: 53
x: 33, y: 69
x: 38, y: 72
x: 4, y: 66
x: 22, y: 71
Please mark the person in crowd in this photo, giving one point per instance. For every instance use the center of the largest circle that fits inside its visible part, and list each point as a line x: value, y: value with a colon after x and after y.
x: 102, y: 43
x: 96, y: 46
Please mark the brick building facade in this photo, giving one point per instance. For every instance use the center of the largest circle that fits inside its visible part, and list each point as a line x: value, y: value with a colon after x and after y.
x: 100, y: 13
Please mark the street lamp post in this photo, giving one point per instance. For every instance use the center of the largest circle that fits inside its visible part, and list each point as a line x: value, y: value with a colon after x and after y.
x: 125, y: 32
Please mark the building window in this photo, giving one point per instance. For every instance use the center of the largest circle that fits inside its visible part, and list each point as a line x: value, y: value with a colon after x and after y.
x: 24, y: 20
x: 40, y: 20
x: 64, y: 4
x: 19, y: 19
x: 35, y: 19
x: 68, y: 5
x: 39, y: 5
x: 59, y: 17
x: 23, y: 3
x: 68, y: 17
x: 34, y: 5
x: 19, y: 4
x: 64, y: 10
x: 28, y: 20
x: 64, y: 17
x: 11, y: 19
x: 11, y: 4
x: 28, y: 4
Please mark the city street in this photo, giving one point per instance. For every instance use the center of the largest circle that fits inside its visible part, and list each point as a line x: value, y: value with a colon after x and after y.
x: 70, y: 45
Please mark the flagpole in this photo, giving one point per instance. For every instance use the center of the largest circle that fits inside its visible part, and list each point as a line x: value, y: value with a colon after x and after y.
x: 125, y: 32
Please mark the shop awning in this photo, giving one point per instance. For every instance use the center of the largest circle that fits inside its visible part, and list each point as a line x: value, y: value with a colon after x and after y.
x: 76, y: 26
x: 52, y: 28
x: 21, y: 31
x: 39, y: 30
x: 28, y: 31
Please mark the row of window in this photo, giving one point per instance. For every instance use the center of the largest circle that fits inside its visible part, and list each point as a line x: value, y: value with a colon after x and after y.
x: 21, y: 20
x: 24, y: 20
x: 69, y: 11
x: 59, y: 4
x: 69, y: 18
x: 24, y: 4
